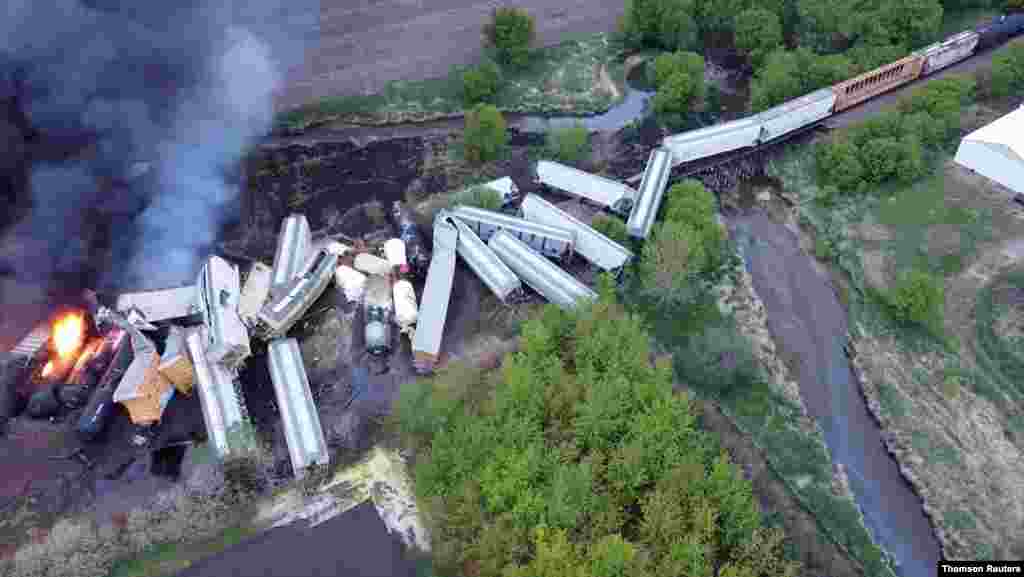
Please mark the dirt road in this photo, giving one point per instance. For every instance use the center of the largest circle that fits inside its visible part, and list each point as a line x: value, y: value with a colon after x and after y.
x: 366, y: 43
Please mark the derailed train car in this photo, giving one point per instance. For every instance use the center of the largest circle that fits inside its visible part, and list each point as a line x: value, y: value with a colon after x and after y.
x: 606, y: 193
x: 218, y: 294
x: 426, y: 341
x: 281, y: 312
x: 597, y: 248
x: 293, y: 246
x: 542, y: 275
x: 300, y: 420
x: 494, y: 273
x: 551, y: 241
x: 652, y: 190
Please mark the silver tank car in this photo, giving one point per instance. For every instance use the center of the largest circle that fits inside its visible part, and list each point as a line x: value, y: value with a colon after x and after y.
x: 293, y: 247
x: 299, y: 417
x: 604, y: 192
x: 652, y: 191
x: 543, y: 276
x: 485, y: 264
x: 426, y: 341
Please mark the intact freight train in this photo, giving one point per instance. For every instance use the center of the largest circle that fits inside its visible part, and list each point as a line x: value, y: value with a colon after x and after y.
x: 812, y: 108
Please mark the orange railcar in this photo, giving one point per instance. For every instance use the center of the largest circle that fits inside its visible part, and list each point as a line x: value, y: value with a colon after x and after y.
x: 852, y: 92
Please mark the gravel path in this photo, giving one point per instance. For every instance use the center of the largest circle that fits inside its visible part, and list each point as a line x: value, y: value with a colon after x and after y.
x: 364, y: 44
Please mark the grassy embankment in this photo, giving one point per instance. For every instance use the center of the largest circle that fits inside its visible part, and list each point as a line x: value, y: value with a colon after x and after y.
x: 949, y: 399
x: 584, y: 75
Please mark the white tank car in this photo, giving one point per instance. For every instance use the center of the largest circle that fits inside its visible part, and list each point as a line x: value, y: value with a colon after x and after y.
x: 394, y: 252
x: 705, y: 142
x: 795, y: 114
x: 950, y: 51
x: 352, y: 282
x: 406, y: 310
x: 371, y: 264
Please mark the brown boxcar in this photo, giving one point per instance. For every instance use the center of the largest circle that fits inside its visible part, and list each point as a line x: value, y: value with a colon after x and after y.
x: 882, y: 79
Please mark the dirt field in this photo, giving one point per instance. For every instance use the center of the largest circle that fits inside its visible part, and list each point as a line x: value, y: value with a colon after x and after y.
x: 365, y: 44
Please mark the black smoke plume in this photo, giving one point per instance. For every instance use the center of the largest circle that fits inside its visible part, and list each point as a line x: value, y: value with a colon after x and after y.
x: 121, y: 120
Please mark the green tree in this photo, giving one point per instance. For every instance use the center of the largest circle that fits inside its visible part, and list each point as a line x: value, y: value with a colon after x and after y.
x: 918, y: 298
x: 671, y: 259
x: 611, y: 226
x: 691, y: 203
x: 480, y: 197
x: 510, y: 33
x: 910, y: 22
x: 758, y: 32
x: 570, y: 144
x: 481, y: 83
x: 661, y: 24
x: 1008, y: 70
x: 679, y: 78
x: 484, y: 135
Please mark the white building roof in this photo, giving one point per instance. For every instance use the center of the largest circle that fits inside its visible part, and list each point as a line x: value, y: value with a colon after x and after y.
x: 996, y: 150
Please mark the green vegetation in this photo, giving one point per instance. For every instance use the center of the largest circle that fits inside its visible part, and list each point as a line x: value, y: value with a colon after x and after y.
x: 679, y: 79
x: 918, y: 297
x: 1001, y: 356
x: 567, y: 78
x: 788, y: 74
x: 579, y: 459
x: 891, y: 146
x: 569, y: 145
x: 484, y: 136
x: 716, y: 361
x: 1008, y: 70
x: 611, y: 226
x: 758, y: 32
x: 481, y: 83
x: 510, y: 33
x: 478, y: 196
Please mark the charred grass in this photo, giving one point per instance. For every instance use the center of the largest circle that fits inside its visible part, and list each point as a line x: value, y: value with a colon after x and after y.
x: 949, y: 403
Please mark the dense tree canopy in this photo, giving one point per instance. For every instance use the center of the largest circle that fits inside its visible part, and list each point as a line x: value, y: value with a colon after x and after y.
x: 1008, y: 70
x: 578, y: 459
x: 510, y: 33
x: 758, y: 32
x: 679, y: 78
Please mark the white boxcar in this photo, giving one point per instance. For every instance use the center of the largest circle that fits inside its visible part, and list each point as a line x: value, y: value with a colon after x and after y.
x: 652, y: 191
x: 406, y: 310
x: 299, y: 417
x: 294, y: 243
x: 597, y: 248
x: 543, y: 276
x: 488, y: 267
x: 548, y: 240
x: 950, y: 51
x: 712, y: 140
x: 426, y: 342
x: 795, y: 114
x: 602, y: 191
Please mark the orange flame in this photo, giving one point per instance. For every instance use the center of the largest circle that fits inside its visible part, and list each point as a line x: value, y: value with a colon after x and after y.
x: 48, y: 368
x: 68, y: 334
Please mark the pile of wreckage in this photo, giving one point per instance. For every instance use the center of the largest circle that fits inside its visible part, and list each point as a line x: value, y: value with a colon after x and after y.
x: 103, y: 357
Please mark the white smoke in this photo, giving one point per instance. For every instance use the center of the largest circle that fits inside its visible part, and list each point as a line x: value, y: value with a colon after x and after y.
x: 213, y: 130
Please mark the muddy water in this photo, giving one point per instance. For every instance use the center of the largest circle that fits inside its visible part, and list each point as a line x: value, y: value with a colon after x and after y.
x: 807, y: 320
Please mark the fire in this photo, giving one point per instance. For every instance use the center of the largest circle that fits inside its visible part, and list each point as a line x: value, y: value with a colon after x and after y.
x: 48, y: 368
x: 69, y: 334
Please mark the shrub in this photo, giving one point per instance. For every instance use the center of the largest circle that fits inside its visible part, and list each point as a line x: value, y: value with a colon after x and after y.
x: 1008, y: 70
x: 510, y: 33
x: 719, y: 361
x: 918, y: 298
x: 671, y: 259
x: 942, y: 99
x: 611, y: 226
x: 481, y: 83
x: 480, y: 197
x: 484, y: 136
x: 571, y: 144
x: 758, y: 32
x: 788, y: 74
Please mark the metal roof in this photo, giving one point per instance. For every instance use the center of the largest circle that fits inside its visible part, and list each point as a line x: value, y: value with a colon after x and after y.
x: 796, y: 103
x: 293, y: 248
x: 598, y: 189
x: 590, y: 244
x: 494, y: 273
x: 710, y: 131
x: 652, y: 191
x: 437, y: 290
